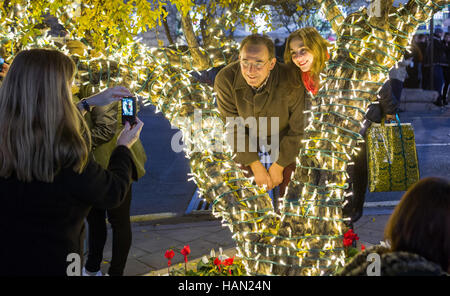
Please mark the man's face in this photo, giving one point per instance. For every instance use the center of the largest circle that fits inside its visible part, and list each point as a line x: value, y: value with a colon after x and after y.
x: 255, y: 64
x: 301, y: 56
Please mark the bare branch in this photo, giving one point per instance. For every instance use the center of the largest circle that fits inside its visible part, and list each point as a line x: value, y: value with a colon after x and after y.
x: 421, y: 11
x: 167, y: 29
x: 200, y: 57
x: 333, y: 14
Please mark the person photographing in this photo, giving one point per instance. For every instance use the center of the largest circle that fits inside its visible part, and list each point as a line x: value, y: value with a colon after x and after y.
x: 48, y: 179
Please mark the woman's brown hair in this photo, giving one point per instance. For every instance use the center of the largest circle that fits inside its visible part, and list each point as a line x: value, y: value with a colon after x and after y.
x: 315, y: 44
x: 41, y: 130
x: 420, y: 223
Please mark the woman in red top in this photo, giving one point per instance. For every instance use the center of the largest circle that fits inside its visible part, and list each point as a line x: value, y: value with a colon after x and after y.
x: 308, y: 50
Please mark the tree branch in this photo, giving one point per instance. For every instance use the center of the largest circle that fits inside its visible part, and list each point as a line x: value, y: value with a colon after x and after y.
x: 200, y: 57
x: 333, y: 14
x: 167, y: 29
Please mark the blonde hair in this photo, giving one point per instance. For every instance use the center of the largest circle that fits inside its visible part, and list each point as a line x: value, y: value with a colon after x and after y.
x: 41, y: 130
x: 315, y: 44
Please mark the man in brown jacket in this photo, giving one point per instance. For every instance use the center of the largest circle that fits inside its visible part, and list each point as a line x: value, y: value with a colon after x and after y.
x: 261, y: 91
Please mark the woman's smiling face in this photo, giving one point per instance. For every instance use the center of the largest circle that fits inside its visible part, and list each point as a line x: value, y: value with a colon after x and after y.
x: 301, y: 56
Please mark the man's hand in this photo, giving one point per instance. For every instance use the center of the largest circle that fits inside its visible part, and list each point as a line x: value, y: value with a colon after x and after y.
x: 262, y: 177
x: 276, y: 174
x: 4, y: 70
x: 390, y: 117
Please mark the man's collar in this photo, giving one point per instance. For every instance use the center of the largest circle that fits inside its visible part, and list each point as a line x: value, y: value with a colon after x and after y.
x: 258, y: 89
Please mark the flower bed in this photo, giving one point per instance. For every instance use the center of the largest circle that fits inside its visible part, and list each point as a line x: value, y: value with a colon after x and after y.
x: 220, y: 265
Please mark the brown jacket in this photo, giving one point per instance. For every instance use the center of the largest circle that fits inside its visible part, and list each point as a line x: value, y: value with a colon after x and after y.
x: 105, y: 124
x: 283, y: 96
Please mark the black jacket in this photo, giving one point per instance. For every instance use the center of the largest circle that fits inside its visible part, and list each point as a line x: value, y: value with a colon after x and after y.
x: 392, y: 264
x: 41, y: 223
x: 385, y: 105
x: 439, y: 55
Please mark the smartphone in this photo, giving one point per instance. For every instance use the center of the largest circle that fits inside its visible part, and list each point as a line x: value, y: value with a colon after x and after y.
x: 129, y: 110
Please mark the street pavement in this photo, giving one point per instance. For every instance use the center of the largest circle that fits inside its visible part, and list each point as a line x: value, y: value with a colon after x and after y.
x: 161, y: 197
x: 165, y: 187
x: 202, y: 234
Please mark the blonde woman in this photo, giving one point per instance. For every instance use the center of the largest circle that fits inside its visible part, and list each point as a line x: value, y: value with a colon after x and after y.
x: 307, y: 49
x: 48, y: 182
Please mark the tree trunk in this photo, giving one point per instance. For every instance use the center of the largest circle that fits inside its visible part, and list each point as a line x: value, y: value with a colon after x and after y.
x: 200, y: 57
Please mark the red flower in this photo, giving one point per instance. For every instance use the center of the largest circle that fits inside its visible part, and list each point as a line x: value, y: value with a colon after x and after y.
x: 351, y: 235
x: 169, y: 255
x: 185, y: 252
x: 363, y: 247
x: 228, y: 262
x: 348, y: 242
x: 218, y: 263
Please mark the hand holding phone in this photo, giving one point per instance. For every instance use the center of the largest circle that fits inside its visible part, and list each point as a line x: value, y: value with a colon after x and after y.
x: 129, y: 110
x: 2, y: 62
x: 129, y: 135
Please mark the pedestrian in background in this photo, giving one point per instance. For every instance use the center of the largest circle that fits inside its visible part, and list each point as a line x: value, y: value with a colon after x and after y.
x: 104, y: 125
x: 439, y: 62
x: 414, y: 70
x: 279, y: 50
x: 422, y: 42
x: 417, y: 233
x: 446, y: 69
x: 397, y: 76
x: 48, y: 181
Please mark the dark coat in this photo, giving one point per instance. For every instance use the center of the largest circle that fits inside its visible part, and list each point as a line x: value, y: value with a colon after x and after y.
x: 392, y: 264
x: 41, y: 223
x: 439, y: 55
x: 386, y: 104
x: 283, y: 96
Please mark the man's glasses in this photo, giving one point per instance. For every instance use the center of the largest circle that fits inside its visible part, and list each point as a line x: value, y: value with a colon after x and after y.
x: 257, y: 65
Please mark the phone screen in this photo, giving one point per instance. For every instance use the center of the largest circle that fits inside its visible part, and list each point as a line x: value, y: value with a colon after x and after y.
x: 129, y: 110
x: 128, y: 107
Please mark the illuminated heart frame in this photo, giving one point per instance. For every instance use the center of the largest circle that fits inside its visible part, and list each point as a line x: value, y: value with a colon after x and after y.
x: 306, y: 237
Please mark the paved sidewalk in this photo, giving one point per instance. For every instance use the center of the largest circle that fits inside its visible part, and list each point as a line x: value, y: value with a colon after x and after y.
x: 152, y: 239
